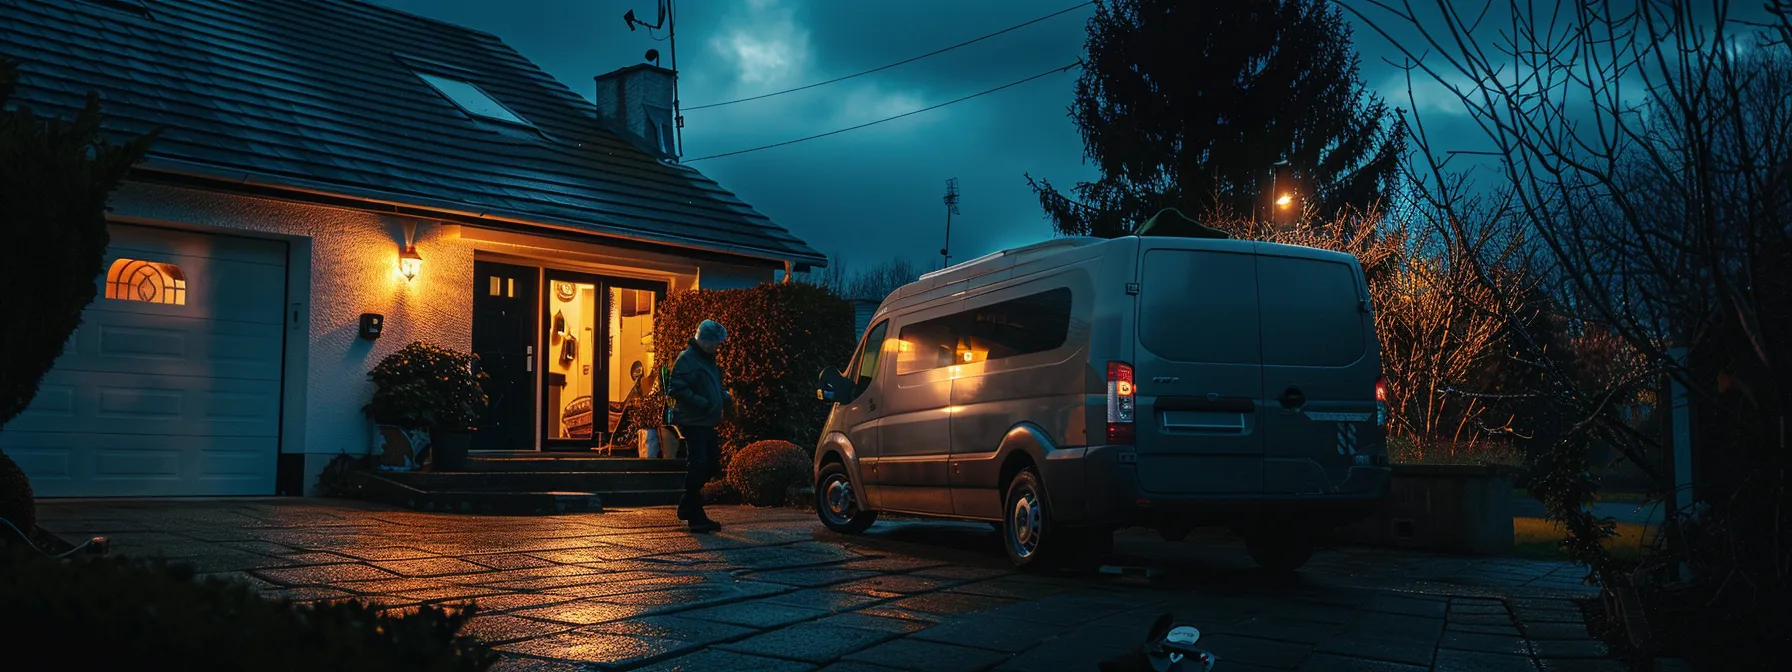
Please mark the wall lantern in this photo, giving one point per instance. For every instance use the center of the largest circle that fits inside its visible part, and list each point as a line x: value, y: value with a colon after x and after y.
x: 409, y: 262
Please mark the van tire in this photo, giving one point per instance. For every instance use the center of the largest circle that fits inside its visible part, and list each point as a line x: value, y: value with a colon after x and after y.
x: 1032, y: 540
x: 1280, y: 553
x: 852, y: 518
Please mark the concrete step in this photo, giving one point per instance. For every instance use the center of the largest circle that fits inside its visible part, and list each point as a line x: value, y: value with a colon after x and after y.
x: 377, y: 486
x: 538, y: 463
x: 541, y: 481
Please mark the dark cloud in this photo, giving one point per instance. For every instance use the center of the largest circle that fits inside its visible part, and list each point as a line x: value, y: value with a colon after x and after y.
x: 875, y: 192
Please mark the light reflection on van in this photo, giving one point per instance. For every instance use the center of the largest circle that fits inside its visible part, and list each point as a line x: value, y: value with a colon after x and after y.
x: 1071, y: 388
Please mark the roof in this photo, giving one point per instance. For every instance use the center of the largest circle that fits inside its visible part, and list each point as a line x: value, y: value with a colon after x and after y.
x: 325, y: 96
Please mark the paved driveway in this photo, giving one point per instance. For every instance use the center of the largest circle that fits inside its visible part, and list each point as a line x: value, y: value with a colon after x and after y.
x: 629, y: 590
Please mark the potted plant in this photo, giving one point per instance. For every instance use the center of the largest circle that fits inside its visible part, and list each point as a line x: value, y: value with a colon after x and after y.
x: 460, y: 397
x: 425, y: 399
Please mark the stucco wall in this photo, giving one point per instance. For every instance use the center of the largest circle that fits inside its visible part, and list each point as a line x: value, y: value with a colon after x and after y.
x: 351, y: 259
x: 343, y: 263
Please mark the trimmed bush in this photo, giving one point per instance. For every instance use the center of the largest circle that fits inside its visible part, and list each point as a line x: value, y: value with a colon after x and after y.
x: 780, y: 338
x: 120, y: 613
x: 720, y: 492
x: 765, y: 472
x: 16, y: 501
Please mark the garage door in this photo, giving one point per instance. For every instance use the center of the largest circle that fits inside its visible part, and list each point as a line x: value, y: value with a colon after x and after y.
x: 171, y: 387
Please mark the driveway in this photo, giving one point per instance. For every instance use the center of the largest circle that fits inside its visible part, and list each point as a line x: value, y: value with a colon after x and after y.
x: 628, y: 589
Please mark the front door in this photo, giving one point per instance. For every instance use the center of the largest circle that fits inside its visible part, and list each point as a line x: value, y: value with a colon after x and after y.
x: 596, y: 358
x: 504, y: 339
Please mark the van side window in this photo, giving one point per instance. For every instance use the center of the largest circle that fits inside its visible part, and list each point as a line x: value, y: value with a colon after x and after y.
x: 1021, y: 326
x: 865, y: 365
x: 926, y: 345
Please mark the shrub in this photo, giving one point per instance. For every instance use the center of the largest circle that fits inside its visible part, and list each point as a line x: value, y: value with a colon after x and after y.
x: 16, y: 502
x: 56, y: 177
x: 780, y: 338
x: 765, y: 472
x: 334, y: 480
x: 720, y: 492
x: 422, y: 386
x: 118, y: 613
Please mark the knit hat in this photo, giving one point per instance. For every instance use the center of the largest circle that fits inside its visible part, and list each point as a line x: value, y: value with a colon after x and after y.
x: 711, y: 332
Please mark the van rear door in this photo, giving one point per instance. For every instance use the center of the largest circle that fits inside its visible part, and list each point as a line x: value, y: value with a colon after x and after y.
x: 1320, y: 364
x: 1198, y: 370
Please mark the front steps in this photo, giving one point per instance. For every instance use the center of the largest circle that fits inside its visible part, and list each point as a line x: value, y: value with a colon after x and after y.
x: 532, y: 484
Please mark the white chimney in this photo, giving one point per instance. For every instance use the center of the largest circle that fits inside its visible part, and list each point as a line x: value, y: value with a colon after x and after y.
x: 637, y: 101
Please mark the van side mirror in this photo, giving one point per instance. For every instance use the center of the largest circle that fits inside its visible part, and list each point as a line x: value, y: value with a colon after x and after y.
x: 832, y: 387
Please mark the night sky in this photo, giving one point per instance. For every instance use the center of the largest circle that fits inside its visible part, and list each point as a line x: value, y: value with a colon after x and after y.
x: 870, y: 194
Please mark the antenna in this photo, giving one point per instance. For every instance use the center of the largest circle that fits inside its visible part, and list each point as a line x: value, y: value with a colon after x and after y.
x: 951, y: 201
x: 667, y: 18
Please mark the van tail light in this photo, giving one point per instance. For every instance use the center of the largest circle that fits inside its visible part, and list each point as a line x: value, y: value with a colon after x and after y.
x: 1121, y: 404
x: 1381, y: 400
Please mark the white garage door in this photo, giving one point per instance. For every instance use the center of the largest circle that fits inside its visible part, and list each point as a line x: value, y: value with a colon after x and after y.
x: 171, y: 387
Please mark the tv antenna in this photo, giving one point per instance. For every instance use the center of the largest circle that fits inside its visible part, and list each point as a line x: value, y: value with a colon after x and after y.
x: 951, y: 200
x: 666, y: 18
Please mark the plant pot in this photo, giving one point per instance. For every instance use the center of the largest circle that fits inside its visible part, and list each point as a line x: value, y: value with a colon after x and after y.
x: 448, y: 449
x: 396, y: 448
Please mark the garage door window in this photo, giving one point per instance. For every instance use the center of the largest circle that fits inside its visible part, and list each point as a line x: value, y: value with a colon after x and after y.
x: 146, y: 281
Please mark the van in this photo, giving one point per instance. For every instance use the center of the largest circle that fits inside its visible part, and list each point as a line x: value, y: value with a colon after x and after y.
x: 1065, y: 390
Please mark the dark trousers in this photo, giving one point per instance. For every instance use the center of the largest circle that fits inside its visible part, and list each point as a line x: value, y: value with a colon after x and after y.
x: 701, y: 453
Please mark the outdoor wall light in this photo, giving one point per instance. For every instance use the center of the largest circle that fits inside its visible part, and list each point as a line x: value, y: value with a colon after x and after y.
x: 409, y: 262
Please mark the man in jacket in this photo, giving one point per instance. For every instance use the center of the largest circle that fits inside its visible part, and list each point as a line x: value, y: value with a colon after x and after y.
x: 699, y: 401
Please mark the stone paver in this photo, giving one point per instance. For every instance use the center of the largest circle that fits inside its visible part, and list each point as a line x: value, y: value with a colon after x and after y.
x: 628, y: 590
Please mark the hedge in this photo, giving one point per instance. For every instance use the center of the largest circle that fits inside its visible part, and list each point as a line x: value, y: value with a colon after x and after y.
x: 128, y: 614
x: 780, y: 338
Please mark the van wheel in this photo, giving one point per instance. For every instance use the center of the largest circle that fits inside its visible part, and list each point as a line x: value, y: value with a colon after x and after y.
x: 1031, y: 534
x: 1280, y: 553
x: 838, y: 503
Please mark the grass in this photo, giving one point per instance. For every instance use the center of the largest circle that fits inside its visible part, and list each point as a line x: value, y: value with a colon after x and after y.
x: 1536, y: 538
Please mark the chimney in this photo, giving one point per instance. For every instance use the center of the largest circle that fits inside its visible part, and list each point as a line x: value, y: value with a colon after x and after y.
x: 636, y: 102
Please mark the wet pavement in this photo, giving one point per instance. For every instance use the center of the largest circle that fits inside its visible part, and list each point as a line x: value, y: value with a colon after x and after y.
x: 628, y: 589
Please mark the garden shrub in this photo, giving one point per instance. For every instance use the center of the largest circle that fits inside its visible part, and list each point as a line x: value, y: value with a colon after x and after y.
x: 55, y: 179
x: 765, y: 472
x: 720, y: 492
x: 122, y: 613
x: 780, y: 338
x: 16, y: 502
x: 423, y: 386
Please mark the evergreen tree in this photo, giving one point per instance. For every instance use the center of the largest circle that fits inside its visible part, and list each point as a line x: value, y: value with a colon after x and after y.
x: 1191, y: 105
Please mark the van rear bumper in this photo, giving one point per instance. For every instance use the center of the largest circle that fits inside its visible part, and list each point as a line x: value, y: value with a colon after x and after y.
x: 1113, y: 497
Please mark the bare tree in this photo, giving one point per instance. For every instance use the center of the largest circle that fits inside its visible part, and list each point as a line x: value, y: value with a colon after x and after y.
x: 1648, y: 147
x: 878, y: 281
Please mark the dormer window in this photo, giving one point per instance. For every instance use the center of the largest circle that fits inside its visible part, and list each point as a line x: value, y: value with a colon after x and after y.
x: 471, y: 99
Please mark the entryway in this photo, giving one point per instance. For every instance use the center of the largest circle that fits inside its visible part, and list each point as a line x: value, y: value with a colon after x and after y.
x: 569, y: 358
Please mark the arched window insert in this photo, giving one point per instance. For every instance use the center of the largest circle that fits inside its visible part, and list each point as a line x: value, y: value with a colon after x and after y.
x: 146, y: 281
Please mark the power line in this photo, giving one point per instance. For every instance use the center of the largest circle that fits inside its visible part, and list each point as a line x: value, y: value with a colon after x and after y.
x: 892, y: 65
x: 899, y: 116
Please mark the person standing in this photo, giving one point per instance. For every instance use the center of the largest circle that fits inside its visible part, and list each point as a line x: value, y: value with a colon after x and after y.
x: 698, y: 403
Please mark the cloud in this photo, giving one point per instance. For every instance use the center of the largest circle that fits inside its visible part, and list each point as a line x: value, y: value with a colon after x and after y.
x: 765, y: 43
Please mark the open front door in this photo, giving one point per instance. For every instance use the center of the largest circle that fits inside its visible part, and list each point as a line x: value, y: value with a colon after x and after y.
x: 504, y: 300
x: 596, y: 359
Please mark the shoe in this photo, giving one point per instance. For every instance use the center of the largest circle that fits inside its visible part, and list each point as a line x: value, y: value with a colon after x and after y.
x: 702, y: 526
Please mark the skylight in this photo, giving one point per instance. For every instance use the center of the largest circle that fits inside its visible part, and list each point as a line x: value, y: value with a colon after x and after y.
x: 471, y: 99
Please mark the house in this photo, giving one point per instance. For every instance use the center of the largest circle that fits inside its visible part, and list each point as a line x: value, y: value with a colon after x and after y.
x: 334, y: 180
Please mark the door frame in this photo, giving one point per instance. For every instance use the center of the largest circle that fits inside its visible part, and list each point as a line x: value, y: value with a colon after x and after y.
x: 600, y: 394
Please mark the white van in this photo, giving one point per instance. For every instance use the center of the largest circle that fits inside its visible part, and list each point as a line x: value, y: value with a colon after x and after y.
x: 1074, y: 387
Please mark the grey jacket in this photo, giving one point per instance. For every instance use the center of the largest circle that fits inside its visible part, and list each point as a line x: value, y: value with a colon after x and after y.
x: 695, y: 387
